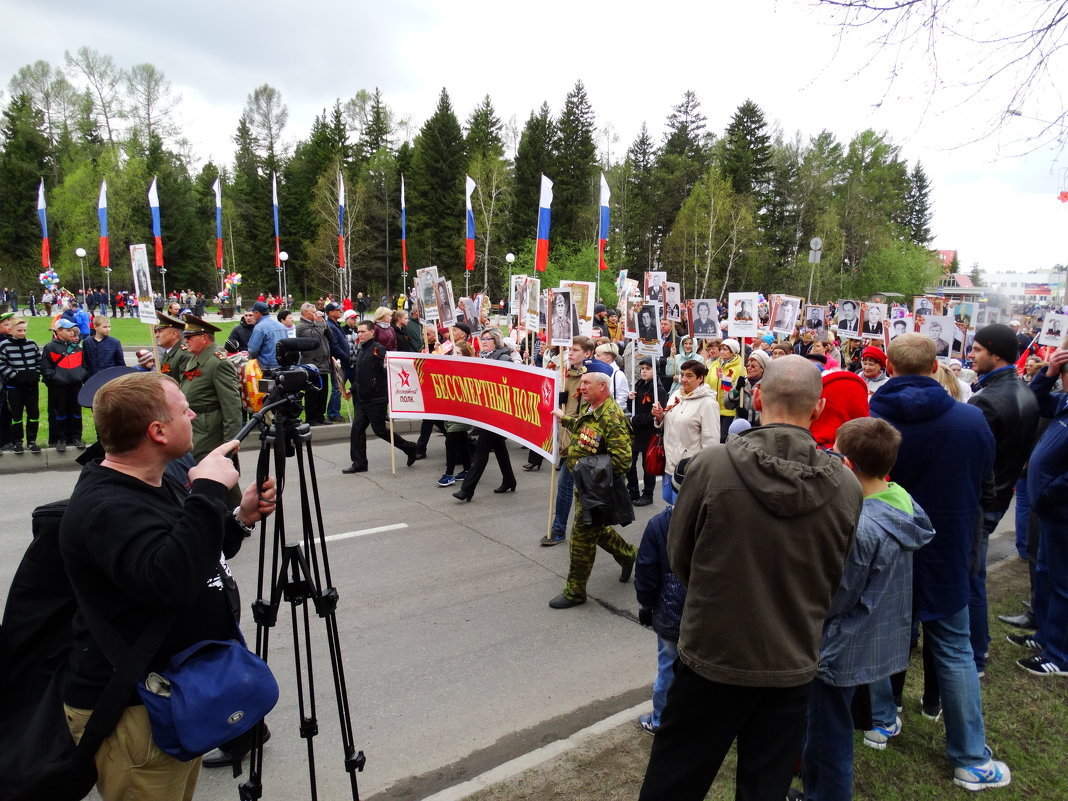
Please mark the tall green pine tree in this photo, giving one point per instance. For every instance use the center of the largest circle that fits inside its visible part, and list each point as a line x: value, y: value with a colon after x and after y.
x: 575, y: 171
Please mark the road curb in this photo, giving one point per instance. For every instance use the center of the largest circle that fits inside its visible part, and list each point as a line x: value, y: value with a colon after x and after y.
x: 49, y: 459
x: 532, y: 759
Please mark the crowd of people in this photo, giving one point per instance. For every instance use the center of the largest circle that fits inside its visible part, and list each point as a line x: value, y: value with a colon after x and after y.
x: 877, y: 472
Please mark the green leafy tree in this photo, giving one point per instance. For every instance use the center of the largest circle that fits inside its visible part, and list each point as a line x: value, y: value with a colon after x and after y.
x: 484, y: 131
x: 24, y: 158
x: 747, y: 152
x: 436, y: 194
x: 575, y: 171
x: 534, y: 157
x: 634, y: 206
x: 919, y: 207
x: 873, y: 195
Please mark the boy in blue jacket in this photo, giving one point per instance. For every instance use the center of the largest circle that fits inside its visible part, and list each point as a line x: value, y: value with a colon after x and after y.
x: 866, y: 636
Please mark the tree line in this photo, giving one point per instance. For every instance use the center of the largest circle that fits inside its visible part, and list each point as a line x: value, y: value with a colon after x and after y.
x: 718, y: 212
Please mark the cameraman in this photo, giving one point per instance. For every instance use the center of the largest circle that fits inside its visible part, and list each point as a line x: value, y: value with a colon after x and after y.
x: 162, y: 555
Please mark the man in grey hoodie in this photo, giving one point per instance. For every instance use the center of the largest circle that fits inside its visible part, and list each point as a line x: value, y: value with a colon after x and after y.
x: 759, y: 536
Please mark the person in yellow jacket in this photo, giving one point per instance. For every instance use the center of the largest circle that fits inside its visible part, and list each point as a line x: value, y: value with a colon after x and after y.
x: 723, y: 375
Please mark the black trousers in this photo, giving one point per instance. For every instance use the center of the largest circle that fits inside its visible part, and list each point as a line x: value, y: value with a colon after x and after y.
x: 632, y: 474
x: 487, y: 442
x: 703, y: 718
x: 425, y: 430
x: 63, y: 408
x: 315, y: 402
x: 374, y: 414
x: 24, y: 401
x: 457, y: 452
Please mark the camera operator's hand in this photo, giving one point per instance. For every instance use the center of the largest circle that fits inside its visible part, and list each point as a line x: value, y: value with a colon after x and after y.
x: 257, y: 502
x: 217, y: 465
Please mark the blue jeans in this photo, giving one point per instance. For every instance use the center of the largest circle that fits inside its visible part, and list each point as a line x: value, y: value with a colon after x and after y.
x: 977, y: 606
x: 666, y: 654
x: 1051, y: 594
x: 565, y: 491
x: 959, y: 684
x: 333, y: 406
x: 1023, y: 510
x: 827, y: 760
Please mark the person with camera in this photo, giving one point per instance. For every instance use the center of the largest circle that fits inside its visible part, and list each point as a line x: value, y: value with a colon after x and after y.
x: 165, y: 554
x: 369, y: 390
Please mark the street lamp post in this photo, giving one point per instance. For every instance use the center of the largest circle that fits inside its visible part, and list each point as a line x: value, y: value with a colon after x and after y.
x: 163, y: 277
x: 107, y: 274
x: 80, y: 253
x: 510, y: 258
x: 283, y: 257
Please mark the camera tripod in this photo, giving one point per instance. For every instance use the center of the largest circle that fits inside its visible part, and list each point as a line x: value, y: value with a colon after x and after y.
x: 299, y: 574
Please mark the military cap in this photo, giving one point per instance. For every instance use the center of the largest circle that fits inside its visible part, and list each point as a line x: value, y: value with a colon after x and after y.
x: 194, y: 325
x: 166, y: 321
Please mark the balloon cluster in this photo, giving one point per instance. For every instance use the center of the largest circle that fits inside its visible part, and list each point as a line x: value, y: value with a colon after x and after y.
x: 230, y: 281
x: 49, y: 279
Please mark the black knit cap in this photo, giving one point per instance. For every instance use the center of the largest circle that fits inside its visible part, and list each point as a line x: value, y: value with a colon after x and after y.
x: 999, y: 339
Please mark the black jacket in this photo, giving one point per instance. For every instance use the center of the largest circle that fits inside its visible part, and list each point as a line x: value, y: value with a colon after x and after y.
x: 369, y: 372
x: 1011, y: 410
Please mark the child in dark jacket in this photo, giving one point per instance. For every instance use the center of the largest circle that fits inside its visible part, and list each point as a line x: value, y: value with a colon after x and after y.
x: 20, y: 371
x: 661, y: 597
x: 642, y: 424
x: 101, y: 349
x: 64, y: 373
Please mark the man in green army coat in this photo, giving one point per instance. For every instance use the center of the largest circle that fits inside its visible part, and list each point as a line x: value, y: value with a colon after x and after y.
x: 599, y: 427
x: 172, y: 348
x: 210, y: 385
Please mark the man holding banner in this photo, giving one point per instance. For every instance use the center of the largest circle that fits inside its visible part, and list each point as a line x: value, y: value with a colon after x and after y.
x: 599, y: 427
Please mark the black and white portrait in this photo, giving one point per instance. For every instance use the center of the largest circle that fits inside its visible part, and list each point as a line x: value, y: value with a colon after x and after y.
x: 874, y: 318
x: 654, y: 286
x: 849, y: 319
x: 560, y: 330
x: 705, y: 318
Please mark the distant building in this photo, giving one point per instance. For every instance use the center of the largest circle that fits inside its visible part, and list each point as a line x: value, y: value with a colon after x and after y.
x: 1040, y: 286
x: 946, y: 257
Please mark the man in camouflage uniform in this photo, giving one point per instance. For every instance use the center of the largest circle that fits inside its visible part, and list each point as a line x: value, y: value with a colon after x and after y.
x: 209, y: 382
x: 174, y: 353
x: 599, y: 427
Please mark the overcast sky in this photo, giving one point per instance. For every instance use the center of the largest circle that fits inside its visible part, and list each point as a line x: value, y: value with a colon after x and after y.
x: 636, y: 60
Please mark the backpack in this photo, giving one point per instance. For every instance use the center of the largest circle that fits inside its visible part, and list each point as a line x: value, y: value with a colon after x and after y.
x: 39, y: 760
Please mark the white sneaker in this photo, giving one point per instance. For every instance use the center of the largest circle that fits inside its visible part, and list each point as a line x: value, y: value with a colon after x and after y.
x: 981, y: 777
x: 878, y: 737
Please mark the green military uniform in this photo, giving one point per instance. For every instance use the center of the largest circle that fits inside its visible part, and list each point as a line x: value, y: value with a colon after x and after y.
x: 601, y: 430
x: 210, y: 385
x: 173, y: 361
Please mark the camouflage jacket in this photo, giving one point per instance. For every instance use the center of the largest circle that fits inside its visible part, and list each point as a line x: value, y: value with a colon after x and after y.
x: 605, y: 429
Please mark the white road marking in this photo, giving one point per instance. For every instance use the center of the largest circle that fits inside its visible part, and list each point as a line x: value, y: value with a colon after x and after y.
x: 378, y: 529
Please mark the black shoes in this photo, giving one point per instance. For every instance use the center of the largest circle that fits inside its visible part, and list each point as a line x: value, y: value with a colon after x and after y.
x: 337, y: 419
x: 413, y: 455
x: 624, y: 574
x: 645, y: 500
x: 1023, y: 621
x: 354, y: 468
x: 420, y: 455
x: 460, y: 495
x: 61, y: 447
x: 555, y: 539
x: 505, y: 488
x: 528, y: 466
x: 563, y: 602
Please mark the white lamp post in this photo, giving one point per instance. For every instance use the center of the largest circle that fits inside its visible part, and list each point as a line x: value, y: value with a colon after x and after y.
x: 283, y: 285
x: 510, y: 258
x: 80, y: 253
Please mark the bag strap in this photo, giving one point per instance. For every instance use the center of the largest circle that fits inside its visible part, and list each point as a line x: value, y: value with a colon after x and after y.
x: 129, y: 661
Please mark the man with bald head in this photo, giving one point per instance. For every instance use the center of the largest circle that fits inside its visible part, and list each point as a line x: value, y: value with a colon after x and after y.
x: 759, y: 536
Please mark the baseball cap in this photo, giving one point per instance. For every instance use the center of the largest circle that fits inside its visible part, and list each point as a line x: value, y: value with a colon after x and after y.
x: 329, y: 307
x: 260, y: 306
x: 61, y: 323
x: 346, y: 315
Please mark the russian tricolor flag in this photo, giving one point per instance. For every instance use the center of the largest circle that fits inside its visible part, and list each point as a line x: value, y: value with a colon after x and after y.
x: 46, y: 255
x: 274, y: 202
x: 602, y: 237
x: 541, y: 256
x: 217, y: 186
x: 340, y: 221
x: 470, y: 226
x: 404, y: 230
x: 102, y: 213
x: 153, y: 203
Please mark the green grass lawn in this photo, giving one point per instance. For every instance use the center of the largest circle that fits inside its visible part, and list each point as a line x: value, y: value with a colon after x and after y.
x: 131, y: 332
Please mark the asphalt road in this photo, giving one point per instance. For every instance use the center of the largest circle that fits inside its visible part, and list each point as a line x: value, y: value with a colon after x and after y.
x: 452, y: 658
x: 453, y: 661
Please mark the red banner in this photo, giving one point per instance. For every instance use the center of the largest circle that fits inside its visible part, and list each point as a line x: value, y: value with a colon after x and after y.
x: 513, y: 400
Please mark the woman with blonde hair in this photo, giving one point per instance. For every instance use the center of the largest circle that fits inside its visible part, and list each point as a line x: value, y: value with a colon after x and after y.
x: 385, y: 333
x: 947, y: 379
